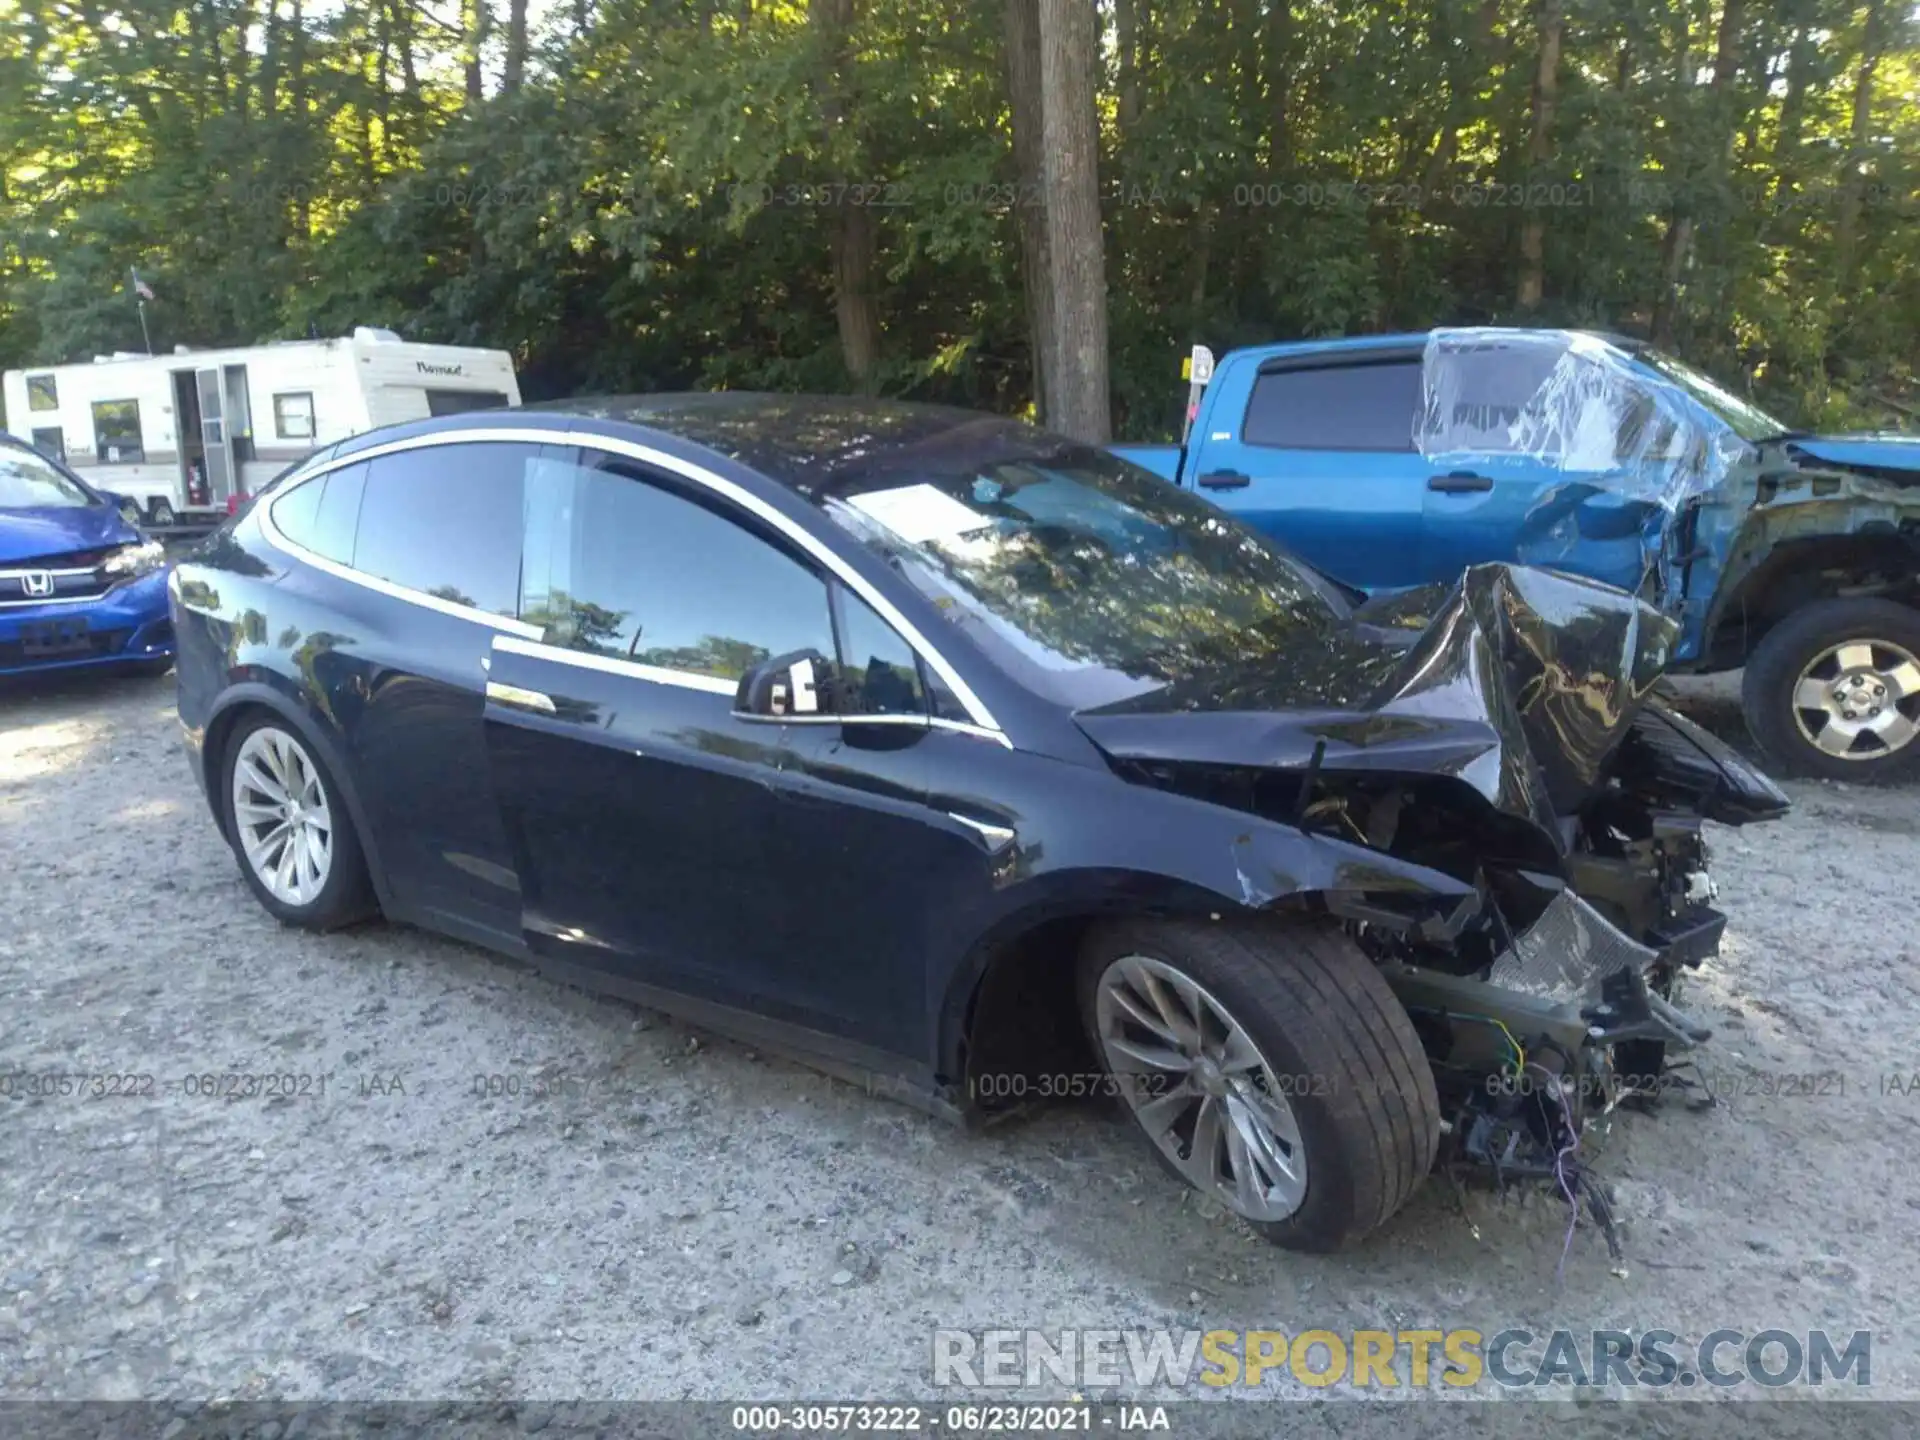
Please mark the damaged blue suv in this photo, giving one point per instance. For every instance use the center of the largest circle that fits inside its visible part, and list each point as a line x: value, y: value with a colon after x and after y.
x: 1397, y: 461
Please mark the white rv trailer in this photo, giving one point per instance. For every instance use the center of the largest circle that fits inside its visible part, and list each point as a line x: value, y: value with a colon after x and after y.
x: 181, y: 435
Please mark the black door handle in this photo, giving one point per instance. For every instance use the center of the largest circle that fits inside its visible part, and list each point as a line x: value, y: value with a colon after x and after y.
x: 1225, y: 480
x: 1459, y: 482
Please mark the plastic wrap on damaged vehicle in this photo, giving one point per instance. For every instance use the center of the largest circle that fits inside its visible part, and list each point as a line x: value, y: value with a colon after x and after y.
x: 1629, y: 453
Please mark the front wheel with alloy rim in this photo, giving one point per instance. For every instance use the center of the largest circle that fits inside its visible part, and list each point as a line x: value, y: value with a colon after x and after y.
x: 1834, y: 691
x: 1269, y: 1067
x: 294, y: 840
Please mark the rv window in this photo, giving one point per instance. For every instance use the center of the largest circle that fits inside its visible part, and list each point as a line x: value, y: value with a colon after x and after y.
x: 116, y: 432
x: 293, y: 416
x: 458, y: 402
x: 42, y: 393
x: 49, y: 441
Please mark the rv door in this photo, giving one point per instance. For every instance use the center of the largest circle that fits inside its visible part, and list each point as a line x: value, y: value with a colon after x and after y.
x: 216, y: 442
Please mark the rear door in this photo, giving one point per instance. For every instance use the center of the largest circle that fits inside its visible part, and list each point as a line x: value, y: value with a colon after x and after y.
x: 444, y: 523
x: 1322, y: 458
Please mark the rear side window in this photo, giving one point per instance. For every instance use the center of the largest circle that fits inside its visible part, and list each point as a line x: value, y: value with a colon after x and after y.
x: 445, y: 520
x: 322, y: 514
x: 620, y: 565
x: 1338, y: 407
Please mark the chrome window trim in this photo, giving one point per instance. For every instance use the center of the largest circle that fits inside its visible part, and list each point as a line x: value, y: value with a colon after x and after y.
x: 614, y: 665
x: 919, y: 722
x: 982, y: 721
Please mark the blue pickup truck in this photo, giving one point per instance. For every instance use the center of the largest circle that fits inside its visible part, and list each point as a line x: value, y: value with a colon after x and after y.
x: 1398, y: 460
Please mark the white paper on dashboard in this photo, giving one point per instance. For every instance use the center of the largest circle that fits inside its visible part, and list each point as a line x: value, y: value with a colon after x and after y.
x: 920, y: 514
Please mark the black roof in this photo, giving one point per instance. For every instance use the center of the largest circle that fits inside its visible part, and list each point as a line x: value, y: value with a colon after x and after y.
x: 821, y: 445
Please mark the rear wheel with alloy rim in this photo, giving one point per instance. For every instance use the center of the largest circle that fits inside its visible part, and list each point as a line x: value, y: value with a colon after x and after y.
x: 1269, y: 1067
x: 296, y: 845
x: 1834, y: 691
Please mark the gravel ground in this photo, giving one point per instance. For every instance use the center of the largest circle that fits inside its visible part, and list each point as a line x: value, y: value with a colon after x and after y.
x: 657, y: 1214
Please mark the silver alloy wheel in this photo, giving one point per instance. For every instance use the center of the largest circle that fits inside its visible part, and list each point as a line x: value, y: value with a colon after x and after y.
x: 1859, y: 700
x: 1200, y: 1088
x: 281, y: 815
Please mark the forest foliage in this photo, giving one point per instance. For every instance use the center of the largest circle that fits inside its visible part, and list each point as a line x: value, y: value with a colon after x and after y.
x: 827, y: 194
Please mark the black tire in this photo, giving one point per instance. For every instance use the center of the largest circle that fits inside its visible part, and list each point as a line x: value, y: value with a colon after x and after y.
x: 161, y: 513
x: 151, y: 668
x: 1318, y: 1009
x: 1774, y: 670
x: 346, y: 895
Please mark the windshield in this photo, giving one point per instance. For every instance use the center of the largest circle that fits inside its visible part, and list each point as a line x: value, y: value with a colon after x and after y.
x: 1088, y: 578
x: 1746, y: 420
x: 29, y: 481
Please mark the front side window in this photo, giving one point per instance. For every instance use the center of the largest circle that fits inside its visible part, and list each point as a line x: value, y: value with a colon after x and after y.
x: 445, y: 520
x: 1745, y: 419
x: 116, y: 432
x: 881, y: 672
x: 29, y: 482
x: 621, y: 564
x: 42, y: 393
x: 293, y: 416
x: 1338, y: 407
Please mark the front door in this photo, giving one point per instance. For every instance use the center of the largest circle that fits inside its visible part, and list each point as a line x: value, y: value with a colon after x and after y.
x: 642, y: 816
x: 1538, y: 454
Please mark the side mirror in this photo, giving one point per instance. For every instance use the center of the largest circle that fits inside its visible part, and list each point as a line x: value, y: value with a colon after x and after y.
x: 801, y: 685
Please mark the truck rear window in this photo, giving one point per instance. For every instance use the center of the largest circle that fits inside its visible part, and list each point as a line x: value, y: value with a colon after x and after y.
x: 1336, y: 407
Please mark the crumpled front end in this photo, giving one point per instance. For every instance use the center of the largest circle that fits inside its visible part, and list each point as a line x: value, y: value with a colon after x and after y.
x: 1515, y: 746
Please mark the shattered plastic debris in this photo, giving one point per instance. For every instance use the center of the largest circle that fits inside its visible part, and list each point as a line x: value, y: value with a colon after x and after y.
x: 1565, y: 955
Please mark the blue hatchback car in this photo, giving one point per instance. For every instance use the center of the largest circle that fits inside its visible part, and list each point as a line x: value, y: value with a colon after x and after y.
x: 79, y: 586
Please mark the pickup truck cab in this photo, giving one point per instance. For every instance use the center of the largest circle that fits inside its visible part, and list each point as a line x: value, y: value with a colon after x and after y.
x: 1396, y: 461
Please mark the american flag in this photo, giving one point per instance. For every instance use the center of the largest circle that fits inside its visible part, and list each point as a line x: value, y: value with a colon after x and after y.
x: 139, y: 285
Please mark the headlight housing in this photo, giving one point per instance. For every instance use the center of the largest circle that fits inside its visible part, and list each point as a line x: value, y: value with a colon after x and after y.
x: 130, y: 562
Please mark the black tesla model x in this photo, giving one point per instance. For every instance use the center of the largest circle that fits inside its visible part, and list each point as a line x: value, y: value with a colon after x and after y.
x: 927, y: 745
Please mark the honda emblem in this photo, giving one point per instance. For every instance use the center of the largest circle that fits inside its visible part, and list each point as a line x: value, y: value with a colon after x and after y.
x: 37, y: 583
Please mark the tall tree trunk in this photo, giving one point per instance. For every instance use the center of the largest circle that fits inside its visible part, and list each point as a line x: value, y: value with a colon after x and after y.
x: 1723, y: 120
x: 1546, y: 98
x: 1279, y: 66
x: 1126, y: 34
x: 1078, y: 402
x: 270, y: 62
x: 1030, y: 189
x: 1853, y: 182
x: 479, y: 21
x: 516, y: 66
x: 856, y: 308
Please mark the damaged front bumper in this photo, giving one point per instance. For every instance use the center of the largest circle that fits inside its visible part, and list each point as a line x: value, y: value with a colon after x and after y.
x: 1573, y: 979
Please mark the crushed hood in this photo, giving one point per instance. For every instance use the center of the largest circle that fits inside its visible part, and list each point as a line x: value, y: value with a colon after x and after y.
x: 53, y: 530
x: 1883, y: 453
x: 1518, y: 682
